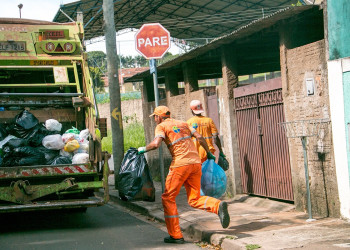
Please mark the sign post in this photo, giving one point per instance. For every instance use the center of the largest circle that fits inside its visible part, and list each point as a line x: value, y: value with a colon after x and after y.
x: 152, y: 42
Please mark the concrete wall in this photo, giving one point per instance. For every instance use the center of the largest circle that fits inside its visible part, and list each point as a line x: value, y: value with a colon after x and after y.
x: 131, y: 111
x: 304, y: 63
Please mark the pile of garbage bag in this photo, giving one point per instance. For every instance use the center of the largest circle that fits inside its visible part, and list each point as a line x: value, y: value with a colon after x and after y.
x: 27, y: 142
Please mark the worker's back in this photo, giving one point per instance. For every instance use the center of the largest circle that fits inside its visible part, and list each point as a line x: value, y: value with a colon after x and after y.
x: 206, y: 127
x: 177, y: 136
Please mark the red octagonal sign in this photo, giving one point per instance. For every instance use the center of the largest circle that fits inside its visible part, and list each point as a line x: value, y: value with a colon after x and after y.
x: 152, y: 40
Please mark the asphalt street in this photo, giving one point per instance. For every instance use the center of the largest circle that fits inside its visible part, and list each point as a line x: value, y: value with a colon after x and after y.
x: 106, y: 227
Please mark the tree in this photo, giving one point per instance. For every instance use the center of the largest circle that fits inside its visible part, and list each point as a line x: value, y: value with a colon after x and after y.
x: 141, y: 61
x: 167, y: 57
x: 97, y: 59
x: 98, y: 67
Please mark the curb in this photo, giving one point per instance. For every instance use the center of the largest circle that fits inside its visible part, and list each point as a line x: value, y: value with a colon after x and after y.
x: 134, y: 207
x: 192, y: 231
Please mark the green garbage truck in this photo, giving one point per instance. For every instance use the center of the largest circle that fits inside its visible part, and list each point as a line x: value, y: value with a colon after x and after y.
x: 44, y: 70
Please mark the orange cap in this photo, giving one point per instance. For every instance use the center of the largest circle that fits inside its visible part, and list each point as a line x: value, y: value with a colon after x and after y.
x: 196, y: 107
x: 161, y: 111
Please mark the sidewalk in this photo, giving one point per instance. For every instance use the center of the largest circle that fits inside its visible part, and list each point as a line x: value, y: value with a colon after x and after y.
x: 266, y: 223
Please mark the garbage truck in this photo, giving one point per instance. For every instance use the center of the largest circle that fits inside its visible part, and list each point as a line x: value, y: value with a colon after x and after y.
x: 44, y: 70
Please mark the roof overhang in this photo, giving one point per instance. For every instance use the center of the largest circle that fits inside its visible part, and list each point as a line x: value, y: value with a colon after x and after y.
x: 185, y: 19
x: 258, y: 41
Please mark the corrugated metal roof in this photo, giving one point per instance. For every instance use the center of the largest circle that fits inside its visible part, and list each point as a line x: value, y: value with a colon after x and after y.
x: 183, y: 18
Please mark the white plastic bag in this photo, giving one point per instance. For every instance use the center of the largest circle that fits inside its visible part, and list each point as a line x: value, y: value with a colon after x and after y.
x: 84, y: 147
x: 80, y: 158
x: 68, y: 137
x: 53, y: 142
x: 84, y: 134
x: 53, y: 125
x: 65, y: 153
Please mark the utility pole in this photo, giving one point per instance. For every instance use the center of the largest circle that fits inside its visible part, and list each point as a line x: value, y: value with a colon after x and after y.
x: 20, y: 6
x: 114, y: 90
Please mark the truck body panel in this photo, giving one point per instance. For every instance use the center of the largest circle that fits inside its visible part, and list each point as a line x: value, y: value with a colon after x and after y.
x: 43, y: 69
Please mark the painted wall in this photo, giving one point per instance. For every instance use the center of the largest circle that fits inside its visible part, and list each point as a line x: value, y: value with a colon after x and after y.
x: 336, y: 99
x: 338, y: 28
x: 346, y: 86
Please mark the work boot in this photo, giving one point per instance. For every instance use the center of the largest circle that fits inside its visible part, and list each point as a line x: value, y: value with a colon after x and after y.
x: 170, y: 239
x: 223, y: 214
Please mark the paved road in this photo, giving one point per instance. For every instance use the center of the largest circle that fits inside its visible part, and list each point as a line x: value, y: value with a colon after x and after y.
x: 106, y: 227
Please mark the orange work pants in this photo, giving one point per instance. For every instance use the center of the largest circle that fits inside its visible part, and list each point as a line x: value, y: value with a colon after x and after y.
x: 190, y: 177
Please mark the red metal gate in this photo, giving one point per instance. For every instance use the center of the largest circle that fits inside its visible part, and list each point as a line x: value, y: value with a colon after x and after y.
x: 265, y: 166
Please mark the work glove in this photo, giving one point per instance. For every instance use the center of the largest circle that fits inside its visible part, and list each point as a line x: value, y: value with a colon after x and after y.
x: 141, y: 150
x: 210, y: 156
x: 222, y: 154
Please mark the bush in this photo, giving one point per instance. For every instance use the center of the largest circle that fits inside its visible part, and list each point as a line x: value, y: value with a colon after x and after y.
x: 104, y: 97
x: 134, y: 136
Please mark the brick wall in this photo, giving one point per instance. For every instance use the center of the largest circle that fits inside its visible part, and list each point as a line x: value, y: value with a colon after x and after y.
x: 308, y: 62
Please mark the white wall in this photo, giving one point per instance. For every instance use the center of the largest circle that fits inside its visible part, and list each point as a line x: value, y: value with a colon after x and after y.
x: 336, y: 96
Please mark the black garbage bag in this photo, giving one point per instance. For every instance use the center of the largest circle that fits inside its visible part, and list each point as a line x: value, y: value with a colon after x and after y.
x: 16, y: 143
x: 26, y: 120
x: 223, y: 163
x: 3, y: 132
x: 37, y: 134
x: 49, y: 154
x: 23, y: 156
x: 134, y: 180
x: 61, y: 160
x: 34, y: 136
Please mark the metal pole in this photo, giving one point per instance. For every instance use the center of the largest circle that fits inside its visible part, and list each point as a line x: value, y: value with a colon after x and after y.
x: 303, y: 141
x: 114, y: 90
x: 153, y: 67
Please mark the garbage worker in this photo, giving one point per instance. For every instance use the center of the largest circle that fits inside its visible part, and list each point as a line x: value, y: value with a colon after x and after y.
x: 205, y: 126
x: 185, y: 169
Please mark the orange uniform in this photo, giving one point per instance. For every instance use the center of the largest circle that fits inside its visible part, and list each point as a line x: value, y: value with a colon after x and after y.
x: 185, y: 169
x: 206, y: 127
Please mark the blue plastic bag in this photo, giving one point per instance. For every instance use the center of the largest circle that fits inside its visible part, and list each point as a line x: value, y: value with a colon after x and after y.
x: 213, y: 181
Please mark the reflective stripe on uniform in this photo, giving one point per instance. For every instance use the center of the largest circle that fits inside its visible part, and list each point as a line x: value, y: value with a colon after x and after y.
x: 180, y: 139
x: 204, y: 138
x: 161, y: 136
x: 205, y: 203
x: 171, y: 216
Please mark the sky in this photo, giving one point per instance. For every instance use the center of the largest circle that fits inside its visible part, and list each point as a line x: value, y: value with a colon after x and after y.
x: 47, y: 9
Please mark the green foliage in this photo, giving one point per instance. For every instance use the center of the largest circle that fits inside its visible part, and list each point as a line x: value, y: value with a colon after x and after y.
x: 97, y: 59
x: 298, y: 3
x: 104, y: 97
x: 134, y: 136
x: 141, y: 61
x: 231, y: 237
x: 97, y: 66
x: 252, y: 246
x: 96, y: 75
x: 167, y: 57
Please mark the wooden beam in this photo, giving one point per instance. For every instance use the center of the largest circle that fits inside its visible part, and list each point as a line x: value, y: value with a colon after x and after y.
x: 61, y: 115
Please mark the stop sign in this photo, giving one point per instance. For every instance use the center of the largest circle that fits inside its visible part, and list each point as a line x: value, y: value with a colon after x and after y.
x: 152, y: 40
